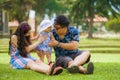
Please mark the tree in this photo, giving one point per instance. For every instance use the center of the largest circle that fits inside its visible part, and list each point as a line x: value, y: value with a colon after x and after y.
x: 54, y: 6
x: 113, y: 25
x: 86, y: 9
x: 17, y: 9
x: 47, y: 7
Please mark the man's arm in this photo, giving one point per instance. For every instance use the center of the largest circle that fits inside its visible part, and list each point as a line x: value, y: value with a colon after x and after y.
x: 73, y: 45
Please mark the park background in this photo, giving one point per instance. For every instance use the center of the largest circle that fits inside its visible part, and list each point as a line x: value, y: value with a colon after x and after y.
x: 98, y: 23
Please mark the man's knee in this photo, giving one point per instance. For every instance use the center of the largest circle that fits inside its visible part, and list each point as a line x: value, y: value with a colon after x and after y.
x: 63, y: 61
x: 87, y: 53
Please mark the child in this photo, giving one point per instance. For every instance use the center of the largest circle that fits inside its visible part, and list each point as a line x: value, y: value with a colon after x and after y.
x: 43, y: 49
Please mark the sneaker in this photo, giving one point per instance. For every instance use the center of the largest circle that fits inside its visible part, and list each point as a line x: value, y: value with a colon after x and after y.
x: 90, y: 68
x: 73, y: 69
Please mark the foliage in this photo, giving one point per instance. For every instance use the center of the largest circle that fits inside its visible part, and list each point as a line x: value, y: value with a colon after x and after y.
x: 1, y: 1
x: 39, y: 8
x: 81, y: 10
x: 53, y: 6
x: 113, y: 25
x: 84, y: 9
x: 17, y: 9
x: 49, y: 7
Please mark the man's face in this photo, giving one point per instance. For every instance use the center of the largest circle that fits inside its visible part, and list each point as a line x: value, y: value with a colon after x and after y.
x: 58, y: 29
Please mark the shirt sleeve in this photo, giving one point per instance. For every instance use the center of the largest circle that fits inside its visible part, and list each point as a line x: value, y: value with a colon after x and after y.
x: 75, y: 35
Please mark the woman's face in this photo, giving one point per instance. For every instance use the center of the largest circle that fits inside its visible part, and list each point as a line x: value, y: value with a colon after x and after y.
x: 28, y: 33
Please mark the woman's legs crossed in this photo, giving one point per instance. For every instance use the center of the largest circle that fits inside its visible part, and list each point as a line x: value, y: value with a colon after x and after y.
x: 39, y: 67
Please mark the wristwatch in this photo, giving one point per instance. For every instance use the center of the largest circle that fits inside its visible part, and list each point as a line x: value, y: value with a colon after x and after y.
x: 58, y: 45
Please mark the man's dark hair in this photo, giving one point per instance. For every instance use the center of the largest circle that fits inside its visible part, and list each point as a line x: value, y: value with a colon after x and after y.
x: 62, y: 20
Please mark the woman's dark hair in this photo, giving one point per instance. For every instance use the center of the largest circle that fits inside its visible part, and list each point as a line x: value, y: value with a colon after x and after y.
x: 22, y: 40
x: 62, y: 20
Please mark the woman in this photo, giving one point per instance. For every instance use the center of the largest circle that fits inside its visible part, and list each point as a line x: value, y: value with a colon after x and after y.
x: 19, y: 49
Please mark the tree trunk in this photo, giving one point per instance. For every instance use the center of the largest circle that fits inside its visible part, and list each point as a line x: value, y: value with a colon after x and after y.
x: 91, y: 16
x: 90, y: 29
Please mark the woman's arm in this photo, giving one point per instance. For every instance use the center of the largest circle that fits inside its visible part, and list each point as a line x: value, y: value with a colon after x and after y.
x: 34, y: 45
x: 34, y: 38
x: 14, y: 41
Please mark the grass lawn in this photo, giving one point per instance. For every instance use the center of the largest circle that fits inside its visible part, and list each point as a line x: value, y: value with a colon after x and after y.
x: 106, y: 68
x: 105, y: 54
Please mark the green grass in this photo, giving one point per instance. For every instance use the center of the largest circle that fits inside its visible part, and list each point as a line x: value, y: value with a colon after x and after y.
x: 102, y: 72
x: 104, y: 54
x: 107, y: 45
x: 106, y: 68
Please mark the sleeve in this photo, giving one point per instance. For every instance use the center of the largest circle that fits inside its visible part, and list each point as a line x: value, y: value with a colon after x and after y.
x: 75, y: 35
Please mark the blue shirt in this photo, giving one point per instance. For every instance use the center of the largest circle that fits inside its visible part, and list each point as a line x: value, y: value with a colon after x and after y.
x: 72, y: 35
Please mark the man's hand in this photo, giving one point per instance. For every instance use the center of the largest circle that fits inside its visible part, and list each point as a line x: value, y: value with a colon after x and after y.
x: 53, y: 43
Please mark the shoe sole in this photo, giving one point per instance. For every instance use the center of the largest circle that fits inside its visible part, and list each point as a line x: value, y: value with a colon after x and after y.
x: 73, y: 69
x: 90, y: 68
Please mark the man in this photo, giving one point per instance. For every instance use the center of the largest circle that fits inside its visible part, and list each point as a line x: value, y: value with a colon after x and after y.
x: 66, y: 48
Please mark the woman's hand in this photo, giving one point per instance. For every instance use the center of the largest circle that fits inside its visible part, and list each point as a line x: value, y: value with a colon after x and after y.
x: 53, y: 43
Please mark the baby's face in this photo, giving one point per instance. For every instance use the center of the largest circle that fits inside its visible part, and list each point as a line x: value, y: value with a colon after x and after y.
x: 48, y: 29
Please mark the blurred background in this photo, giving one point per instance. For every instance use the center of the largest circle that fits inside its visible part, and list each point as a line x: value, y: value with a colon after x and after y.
x: 93, y: 18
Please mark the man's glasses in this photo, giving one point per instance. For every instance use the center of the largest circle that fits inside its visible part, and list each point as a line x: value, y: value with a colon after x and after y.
x: 57, y: 27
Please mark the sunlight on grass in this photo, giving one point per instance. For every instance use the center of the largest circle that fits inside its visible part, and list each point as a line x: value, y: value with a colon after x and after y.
x: 105, y: 57
x: 4, y: 58
x: 106, y: 64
